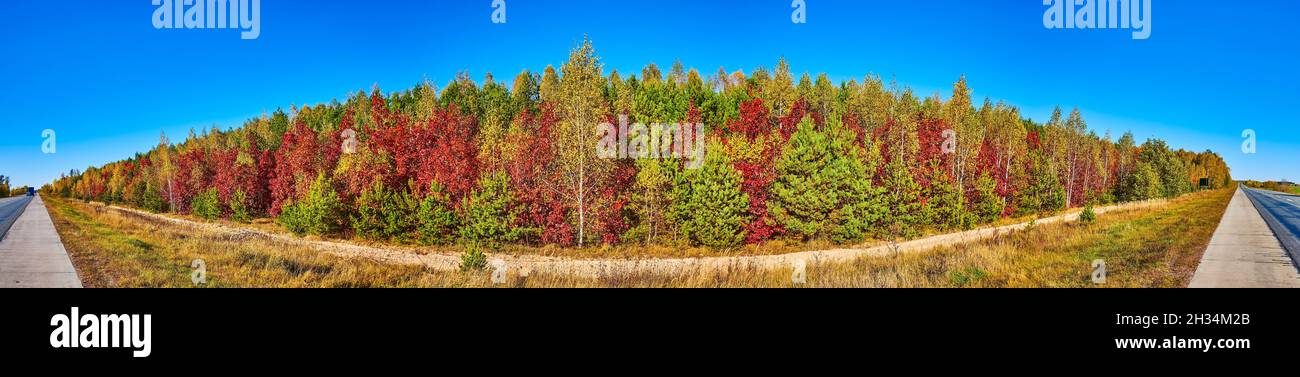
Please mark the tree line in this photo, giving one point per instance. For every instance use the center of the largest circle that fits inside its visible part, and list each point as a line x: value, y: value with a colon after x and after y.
x: 7, y: 189
x: 1279, y: 186
x: 789, y: 159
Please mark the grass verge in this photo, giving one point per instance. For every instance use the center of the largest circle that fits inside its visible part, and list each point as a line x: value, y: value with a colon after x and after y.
x: 1151, y: 247
x: 1154, y: 247
x: 113, y: 250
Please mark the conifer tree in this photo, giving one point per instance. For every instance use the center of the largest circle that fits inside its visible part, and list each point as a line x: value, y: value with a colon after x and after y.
x: 437, y: 221
x: 715, y: 211
x: 864, y: 207
x: 800, y: 199
x: 823, y: 187
x: 903, y: 198
x: 206, y: 205
x: 317, y: 212
x: 490, y: 213
x: 987, y: 205
x: 1043, y: 194
x: 384, y: 214
x: 945, y: 205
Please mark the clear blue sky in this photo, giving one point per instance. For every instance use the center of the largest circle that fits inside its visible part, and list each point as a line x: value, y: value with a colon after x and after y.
x: 107, y: 82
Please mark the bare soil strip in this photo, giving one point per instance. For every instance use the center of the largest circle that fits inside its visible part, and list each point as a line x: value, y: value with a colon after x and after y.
x: 593, y: 268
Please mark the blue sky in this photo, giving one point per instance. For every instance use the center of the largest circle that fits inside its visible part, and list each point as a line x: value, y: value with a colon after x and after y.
x: 107, y: 82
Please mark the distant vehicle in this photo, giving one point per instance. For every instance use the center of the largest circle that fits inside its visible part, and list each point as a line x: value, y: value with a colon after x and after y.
x: 31, y: 191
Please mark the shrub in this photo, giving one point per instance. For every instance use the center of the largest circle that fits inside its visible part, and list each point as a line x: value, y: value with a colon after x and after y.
x: 384, y: 214
x: 473, y: 258
x: 1045, y: 193
x: 369, y: 210
x: 1088, y: 216
x: 945, y: 209
x: 206, y: 205
x: 437, y: 222
x: 1143, y: 184
x: 152, y: 201
x: 291, y: 219
x: 903, y: 200
x: 966, y: 276
x: 490, y: 216
x: 318, y: 212
x: 987, y: 204
x: 238, y: 205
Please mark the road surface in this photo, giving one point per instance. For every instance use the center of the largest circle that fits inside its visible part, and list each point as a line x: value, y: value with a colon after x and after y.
x: 1282, y: 212
x: 1244, y: 251
x: 32, y: 255
x: 10, y: 208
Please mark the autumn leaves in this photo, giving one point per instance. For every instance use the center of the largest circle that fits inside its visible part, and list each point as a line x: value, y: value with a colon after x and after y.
x: 493, y: 164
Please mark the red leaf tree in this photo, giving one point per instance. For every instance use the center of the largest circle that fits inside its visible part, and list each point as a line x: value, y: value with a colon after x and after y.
x: 754, y: 125
x: 931, y: 156
x: 532, y: 152
x: 303, y: 154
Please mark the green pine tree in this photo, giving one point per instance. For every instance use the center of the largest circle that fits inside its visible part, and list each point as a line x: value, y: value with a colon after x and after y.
x: 824, y: 185
x: 437, y: 222
x: 206, y: 205
x: 384, y: 214
x: 902, y: 196
x: 802, y: 197
x: 863, y: 207
x: 490, y: 213
x: 399, y: 208
x: 1044, y: 193
x: 318, y: 212
x: 945, y: 208
x: 714, y: 211
x: 987, y: 205
x: 369, y: 209
x: 239, y: 210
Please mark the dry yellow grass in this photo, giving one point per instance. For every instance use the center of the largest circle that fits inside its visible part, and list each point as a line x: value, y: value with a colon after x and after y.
x: 1156, y: 247
x: 1152, y: 247
x: 630, y: 250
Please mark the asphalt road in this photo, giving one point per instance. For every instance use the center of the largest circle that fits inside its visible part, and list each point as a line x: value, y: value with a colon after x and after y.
x: 10, y: 208
x: 1282, y: 212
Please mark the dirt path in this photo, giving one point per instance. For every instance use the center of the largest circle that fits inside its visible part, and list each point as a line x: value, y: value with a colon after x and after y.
x: 526, y: 264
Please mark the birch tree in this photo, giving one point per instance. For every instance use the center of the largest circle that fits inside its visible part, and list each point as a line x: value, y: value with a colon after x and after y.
x: 582, y: 108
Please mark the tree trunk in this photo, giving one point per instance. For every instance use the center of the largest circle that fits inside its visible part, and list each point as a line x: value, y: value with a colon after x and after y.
x: 582, y: 206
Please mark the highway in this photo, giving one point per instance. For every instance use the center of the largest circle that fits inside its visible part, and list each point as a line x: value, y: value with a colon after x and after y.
x: 1282, y: 212
x: 31, y: 253
x: 1245, y: 252
x: 10, y: 208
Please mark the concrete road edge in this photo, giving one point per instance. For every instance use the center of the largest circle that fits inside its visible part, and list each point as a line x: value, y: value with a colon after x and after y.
x: 1289, y: 241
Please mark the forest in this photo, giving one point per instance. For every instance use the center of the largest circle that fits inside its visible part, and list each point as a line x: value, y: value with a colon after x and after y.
x: 515, y: 163
x: 7, y: 188
x: 1279, y: 186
